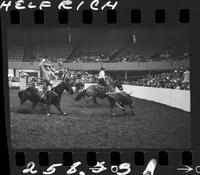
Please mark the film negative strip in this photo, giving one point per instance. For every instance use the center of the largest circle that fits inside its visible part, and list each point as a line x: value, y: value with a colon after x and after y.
x: 100, y: 87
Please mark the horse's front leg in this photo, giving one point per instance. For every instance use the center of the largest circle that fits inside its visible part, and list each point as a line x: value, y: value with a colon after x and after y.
x: 112, y: 104
x: 118, y: 105
x: 34, y: 105
x: 131, y: 107
x: 95, y: 100
x: 60, y: 110
x: 22, y: 102
x: 122, y: 105
x: 112, y: 111
x: 48, y: 110
x: 22, y: 97
x: 89, y: 99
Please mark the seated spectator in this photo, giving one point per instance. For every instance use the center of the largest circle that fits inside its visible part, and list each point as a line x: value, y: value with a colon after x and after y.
x: 178, y: 79
x: 186, y: 76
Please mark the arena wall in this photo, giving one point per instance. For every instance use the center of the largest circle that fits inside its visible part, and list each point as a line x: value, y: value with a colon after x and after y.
x: 151, y: 65
x: 172, y: 97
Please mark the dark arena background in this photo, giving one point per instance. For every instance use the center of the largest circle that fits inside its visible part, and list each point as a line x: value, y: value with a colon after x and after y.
x: 145, y: 61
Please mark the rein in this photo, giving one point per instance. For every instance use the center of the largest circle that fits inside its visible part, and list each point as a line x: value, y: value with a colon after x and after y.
x: 54, y: 93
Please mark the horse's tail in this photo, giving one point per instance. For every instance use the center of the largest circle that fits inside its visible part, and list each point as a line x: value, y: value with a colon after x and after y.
x: 22, y: 95
x: 80, y: 95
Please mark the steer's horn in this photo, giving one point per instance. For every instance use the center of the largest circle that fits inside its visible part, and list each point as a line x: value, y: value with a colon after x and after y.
x: 130, y: 93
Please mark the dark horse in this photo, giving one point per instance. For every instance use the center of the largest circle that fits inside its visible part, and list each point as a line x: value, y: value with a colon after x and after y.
x: 94, y: 91
x: 53, y: 96
x: 78, y: 84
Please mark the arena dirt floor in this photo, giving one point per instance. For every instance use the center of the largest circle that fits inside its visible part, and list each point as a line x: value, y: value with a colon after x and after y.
x: 91, y: 126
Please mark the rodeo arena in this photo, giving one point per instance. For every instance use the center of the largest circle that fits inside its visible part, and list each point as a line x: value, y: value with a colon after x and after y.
x: 99, y: 88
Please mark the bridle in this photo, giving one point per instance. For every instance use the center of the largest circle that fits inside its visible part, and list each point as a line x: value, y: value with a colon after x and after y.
x: 54, y: 93
x: 68, y: 84
x: 118, y: 85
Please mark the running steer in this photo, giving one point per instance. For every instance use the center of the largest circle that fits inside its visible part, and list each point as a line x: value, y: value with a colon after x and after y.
x: 120, y: 99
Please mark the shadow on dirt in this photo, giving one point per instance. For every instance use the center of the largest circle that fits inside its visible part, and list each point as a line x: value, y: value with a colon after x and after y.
x: 27, y: 109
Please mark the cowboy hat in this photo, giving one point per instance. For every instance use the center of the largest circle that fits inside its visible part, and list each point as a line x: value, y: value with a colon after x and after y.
x: 47, y: 65
x: 103, y: 67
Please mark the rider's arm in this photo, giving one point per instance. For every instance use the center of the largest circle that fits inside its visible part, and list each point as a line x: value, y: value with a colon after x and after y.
x: 53, y: 70
x: 53, y: 74
x: 62, y: 77
x: 41, y: 65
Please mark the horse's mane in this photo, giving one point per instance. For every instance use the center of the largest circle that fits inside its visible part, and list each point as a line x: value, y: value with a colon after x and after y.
x: 32, y: 88
x: 60, y: 87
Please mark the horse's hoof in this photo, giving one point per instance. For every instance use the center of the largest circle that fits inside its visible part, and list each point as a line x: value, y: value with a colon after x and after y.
x: 113, y: 115
x: 48, y: 115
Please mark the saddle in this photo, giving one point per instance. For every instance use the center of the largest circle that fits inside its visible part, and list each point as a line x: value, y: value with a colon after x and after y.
x: 104, y: 88
x: 44, y: 95
x: 101, y: 86
x: 41, y: 92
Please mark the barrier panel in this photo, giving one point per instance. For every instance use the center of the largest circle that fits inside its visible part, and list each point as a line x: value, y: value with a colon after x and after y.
x: 172, y: 97
x: 181, y: 99
x: 23, y: 83
x: 15, y: 84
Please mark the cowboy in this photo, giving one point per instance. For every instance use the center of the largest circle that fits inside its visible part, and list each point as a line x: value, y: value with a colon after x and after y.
x: 102, y: 77
x: 33, y: 82
x: 65, y: 73
x: 46, y: 74
x: 24, y: 75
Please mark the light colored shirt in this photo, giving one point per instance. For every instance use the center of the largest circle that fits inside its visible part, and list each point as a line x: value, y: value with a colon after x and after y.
x: 45, y: 74
x: 102, y: 74
x: 186, y: 76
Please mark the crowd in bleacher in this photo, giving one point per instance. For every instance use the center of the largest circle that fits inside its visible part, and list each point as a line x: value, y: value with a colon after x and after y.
x: 85, y: 76
x: 103, y: 52
x: 129, y: 52
x: 129, y: 56
x: 176, y: 79
x: 96, y: 55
